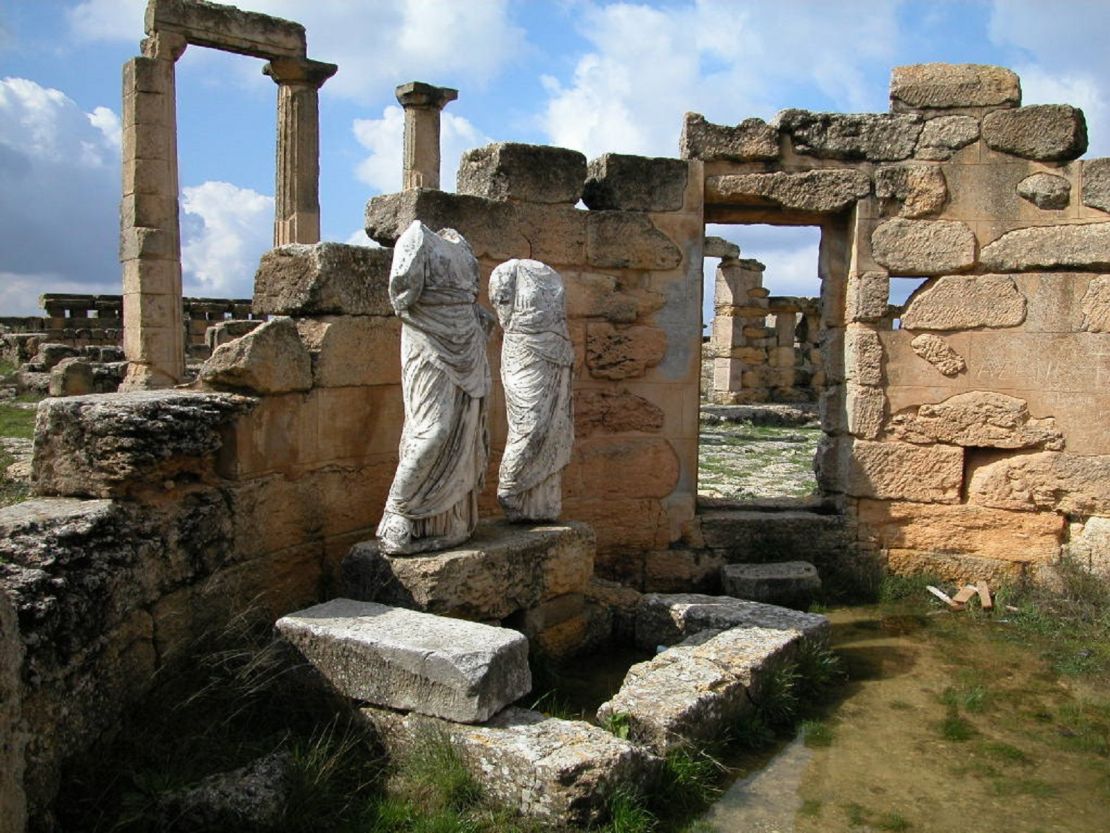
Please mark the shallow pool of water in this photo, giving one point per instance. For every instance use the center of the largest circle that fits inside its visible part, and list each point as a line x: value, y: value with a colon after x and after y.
x: 945, y: 725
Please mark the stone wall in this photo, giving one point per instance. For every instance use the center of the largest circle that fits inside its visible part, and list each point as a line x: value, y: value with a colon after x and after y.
x: 970, y: 440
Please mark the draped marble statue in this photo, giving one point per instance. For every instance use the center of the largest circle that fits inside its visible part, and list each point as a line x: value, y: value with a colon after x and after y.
x: 445, y: 380
x: 536, y: 366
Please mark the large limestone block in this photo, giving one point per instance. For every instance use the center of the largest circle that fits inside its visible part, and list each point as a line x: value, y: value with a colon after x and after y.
x: 118, y: 444
x: 865, y: 408
x: 667, y: 619
x: 924, y: 247
x: 227, y: 28
x: 975, y: 530
x: 1046, y: 191
x: 942, y: 86
x: 606, y: 467
x: 1076, y: 246
x: 503, y: 568
x: 1089, y: 545
x: 1096, y: 305
x: 628, y: 240
x: 617, y: 181
x: 752, y: 140
x: 594, y: 295
x: 269, y: 359
x: 911, y: 189
x: 1044, y: 132
x: 863, y: 356
x: 871, y: 137
x: 943, y: 136
x: 902, y: 471
x: 789, y: 583
x: 323, y: 279
x: 72, y: 377
x: 867, y: 296
x: 614, y: 412
x: 749, y: 536
x: 625, y: 352
x: 980, y: 419
x: 1046, y: 481
x: 1096, y: 183
x: 694, y: 692
x: 561, y: 771
x: 965, y: 302
x: 817, y: 190
x: 719, y: 247
x: 353, y: 350
x: 403, y: 659
x: 939, y: 353
x: 489, y: 226
x: 518, y: 172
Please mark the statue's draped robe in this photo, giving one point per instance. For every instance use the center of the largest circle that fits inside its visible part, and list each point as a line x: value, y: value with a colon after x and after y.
x: 537, y: 362
x: 445, y: 380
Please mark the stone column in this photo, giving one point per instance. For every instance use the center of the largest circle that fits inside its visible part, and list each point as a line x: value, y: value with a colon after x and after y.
x: 297, y: 189
x: 150, y: 235
x: 422, y: 103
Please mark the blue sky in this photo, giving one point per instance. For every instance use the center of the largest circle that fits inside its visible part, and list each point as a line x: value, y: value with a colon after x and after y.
x: 593, y: 75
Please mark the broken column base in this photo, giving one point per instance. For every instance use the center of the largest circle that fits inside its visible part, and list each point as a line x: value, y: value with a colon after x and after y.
x: 532, y: 578
x: 787, y: 583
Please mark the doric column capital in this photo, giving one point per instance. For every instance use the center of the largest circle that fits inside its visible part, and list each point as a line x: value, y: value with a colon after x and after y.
x: 299, y: 71
x: 421, y: 96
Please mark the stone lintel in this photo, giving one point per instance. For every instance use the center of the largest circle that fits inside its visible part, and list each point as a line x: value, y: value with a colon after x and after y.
x: 419, y: 95
x: 299, y: 71
x: 227, y: 28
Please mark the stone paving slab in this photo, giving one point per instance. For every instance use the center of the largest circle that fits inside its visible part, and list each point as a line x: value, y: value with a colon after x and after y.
x: 403, y: 659
x: 545, y: 767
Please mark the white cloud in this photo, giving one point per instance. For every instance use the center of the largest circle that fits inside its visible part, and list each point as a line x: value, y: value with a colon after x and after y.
x: 111, y: 20
x: 19, y: 293
x: 225, y: 229
x: 359, y: 238
x: 649, y: 65
x: 59, y: 202
x: 108, y: 123
x: 384, y: 138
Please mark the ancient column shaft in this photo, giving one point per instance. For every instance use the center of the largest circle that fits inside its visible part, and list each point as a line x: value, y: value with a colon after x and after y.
x: 422, y: 103
x: 297, y: 186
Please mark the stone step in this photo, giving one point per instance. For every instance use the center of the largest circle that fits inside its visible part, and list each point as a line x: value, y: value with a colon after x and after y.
x: 504, y: 568
x: 545, y: 767
x: 403, y: 659
x: 670, y: 618
x: 751, y: 536
x: 786, y: 583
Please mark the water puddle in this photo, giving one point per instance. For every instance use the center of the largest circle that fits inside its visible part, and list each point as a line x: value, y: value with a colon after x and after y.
x: 945, y: 725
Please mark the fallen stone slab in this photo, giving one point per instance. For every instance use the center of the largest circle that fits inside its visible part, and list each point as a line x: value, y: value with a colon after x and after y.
x: 666, y: 619
x: 787, y: 583
x: 503, y: 568
x: 696, y: 691
x: 544, y: 767
x: 404, y: 659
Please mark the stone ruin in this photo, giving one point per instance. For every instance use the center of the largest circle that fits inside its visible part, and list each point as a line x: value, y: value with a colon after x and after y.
x: 968, y: 442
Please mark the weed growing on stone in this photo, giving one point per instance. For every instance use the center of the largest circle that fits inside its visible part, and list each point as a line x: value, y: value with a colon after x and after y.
x: 691, y: 780
x: 617, y: 723
x: 817, y: 733
x: 629, y: 814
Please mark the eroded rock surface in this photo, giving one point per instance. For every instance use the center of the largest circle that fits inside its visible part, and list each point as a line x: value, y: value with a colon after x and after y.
x: 1096, y: 183
x: 945, y: 135
x: 750, y: 141
x: 964, y: 302
x: 941, y: 86
x: 269, y: 359
x: 323, y: 279
x: 1046, y: 191
x: 819, y: 190
x: 873, y: 137
x: 983, y: 419
x: 1044, y: 132
x: 911, y: 189
x: 667, y: 619
x: 924, y: 247
x: 1075, y: 246
x: 937, y: 352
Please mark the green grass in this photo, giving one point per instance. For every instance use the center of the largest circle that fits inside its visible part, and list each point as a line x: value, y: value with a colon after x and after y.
x: 955, y: 728
x: 817, y: 733
x: 16, y: 422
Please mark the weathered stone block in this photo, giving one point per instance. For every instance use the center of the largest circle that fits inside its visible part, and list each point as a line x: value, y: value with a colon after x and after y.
x: 1076, y: 246
x: 911, y: 189
x: 1046, y: 191
x: 1096, y: 305
x: 817, y: 190
x: 942, y: 86
x: 677, y: 571
x: 937, y: 352
x: 668, y: 619
x: 609, y: 467
x: 227, y: 28
x: 695, y: 692
x: 979, y: 419
x: 269, y: 359
x: 965, y: 302
x: 353, y: 350
x: 558, y: 770
x: 1096, y: 183
x: 1044, y: 132
x: 114, y: 445
x: 924, y: 247
x: 623, y: 353
x: 865, y: 407
x: 875, y: 138
x: 72, y: 377
x: 975, y: 530
x: 503, y: 568
x: 750, y: 141
x: 1089, y: 545
x: 617, y: 181
x: 510, y: 171
x: 489, y: 226
x: 943, y: 136
x: 719, y: 247
x: 902, y: 471
x: 403, y: 659
x: 787, y: 583
x: 863, y: 356
x: 628, y: 240
x: 614, y: 412
x: 1047, y: 481
x: 867, y: 296
x: 323, y: 279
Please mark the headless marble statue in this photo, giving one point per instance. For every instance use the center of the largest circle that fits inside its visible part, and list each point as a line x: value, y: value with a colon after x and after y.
x: 445, y: 379
x: 536, y: 365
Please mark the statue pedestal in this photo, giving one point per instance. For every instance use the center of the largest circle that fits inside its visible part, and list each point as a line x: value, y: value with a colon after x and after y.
x: 528, y: 577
